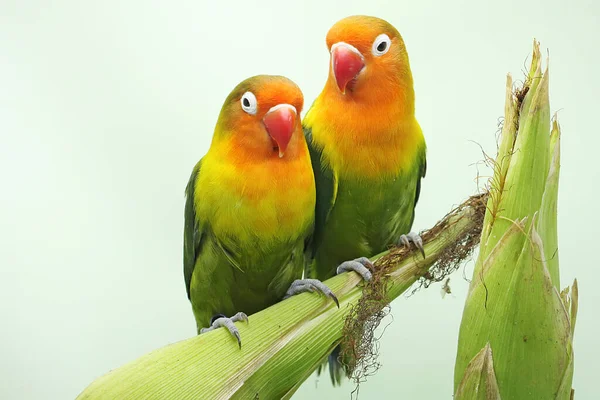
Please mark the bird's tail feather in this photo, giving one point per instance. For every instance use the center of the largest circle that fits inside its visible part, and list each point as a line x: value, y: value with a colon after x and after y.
x: 337, y: 370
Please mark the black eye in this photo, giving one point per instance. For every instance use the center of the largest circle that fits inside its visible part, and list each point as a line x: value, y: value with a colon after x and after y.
x: 246, y: 102
x: 382, y: 46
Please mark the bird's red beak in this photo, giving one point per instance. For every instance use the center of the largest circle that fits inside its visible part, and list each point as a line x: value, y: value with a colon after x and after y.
x: 280, y: 122
x: 346, y: 63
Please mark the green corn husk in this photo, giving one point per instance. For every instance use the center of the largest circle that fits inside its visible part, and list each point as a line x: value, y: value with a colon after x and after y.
x: 514, y: 309
x: 283, y: 344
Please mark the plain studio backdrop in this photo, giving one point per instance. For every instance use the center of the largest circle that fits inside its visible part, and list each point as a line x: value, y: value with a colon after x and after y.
x: 105, y: 107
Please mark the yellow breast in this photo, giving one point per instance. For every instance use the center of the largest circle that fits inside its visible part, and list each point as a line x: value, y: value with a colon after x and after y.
x: 364, y: 141
x: 268, y: 199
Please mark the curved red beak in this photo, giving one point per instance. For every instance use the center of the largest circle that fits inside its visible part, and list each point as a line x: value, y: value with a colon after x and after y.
x: 346, y: 63
x: 280, y: 122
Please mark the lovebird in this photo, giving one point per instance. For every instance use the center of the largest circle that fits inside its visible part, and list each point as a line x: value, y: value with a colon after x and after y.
x: 367, y: 151
x: 249, y: 210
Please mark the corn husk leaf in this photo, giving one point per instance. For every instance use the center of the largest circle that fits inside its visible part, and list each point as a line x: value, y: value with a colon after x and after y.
x: 514, y: 306
x: 479, y: 381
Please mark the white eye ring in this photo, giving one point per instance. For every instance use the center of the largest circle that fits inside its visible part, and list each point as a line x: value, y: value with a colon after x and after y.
x: 249, y: 103
x: 381, y: 45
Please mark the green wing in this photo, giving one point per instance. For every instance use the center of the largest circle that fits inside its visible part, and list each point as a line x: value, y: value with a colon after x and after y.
x: 422, y: 172
x: 192, y: 231
x: 326, y: 186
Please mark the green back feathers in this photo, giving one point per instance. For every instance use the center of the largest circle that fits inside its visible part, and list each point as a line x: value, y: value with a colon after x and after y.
x: 192, y: 232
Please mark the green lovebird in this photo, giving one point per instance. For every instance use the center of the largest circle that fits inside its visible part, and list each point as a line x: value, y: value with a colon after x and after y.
x: 249, y: 209
x: 367, y: 150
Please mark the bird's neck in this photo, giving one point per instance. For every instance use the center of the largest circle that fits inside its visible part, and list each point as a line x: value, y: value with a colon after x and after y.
x: 394, y: 94
x: 367, y: 136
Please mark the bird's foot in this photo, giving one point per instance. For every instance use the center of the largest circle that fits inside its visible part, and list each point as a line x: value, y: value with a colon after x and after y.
x: 412, y: 237
x: 220, y: 320
x: 310, y: 285
x: 361, y: 266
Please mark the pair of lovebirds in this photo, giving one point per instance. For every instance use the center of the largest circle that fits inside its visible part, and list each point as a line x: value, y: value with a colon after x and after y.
x: 275, y: 197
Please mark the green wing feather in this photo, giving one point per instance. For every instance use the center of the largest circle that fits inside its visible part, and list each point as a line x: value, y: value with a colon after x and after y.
x: 422, y: 172
x: 326, y: 186
x: 192, y: 230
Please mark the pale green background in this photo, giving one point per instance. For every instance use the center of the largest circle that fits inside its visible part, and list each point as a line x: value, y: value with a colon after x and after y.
x: 105, y: 107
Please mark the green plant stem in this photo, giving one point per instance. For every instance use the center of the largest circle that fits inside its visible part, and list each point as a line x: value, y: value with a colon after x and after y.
x: 281, y: 345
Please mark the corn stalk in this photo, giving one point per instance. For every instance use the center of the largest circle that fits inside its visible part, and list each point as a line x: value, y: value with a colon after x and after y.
x: 516, y: 335
x: 283, y: 344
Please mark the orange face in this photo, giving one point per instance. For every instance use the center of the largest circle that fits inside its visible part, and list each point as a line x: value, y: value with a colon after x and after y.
x: 368, y: 57
x: 262, y: 116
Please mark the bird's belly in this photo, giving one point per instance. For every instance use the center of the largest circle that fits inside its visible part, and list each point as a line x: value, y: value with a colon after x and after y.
x: 366, y: 219
x: 263, y: 274
x: 242, y: 276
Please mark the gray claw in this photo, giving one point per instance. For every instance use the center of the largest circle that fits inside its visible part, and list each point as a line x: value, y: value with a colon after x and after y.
x: 415, y: 238
x: 229, y: 324
x: 310, y: 285
x: 360, y: 266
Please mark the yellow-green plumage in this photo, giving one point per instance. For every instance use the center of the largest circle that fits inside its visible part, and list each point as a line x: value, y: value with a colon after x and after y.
x: 367, y: 150
x: 248, y: 211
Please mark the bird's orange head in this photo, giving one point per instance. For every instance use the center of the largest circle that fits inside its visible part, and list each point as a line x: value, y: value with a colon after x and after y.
x: 368, y: 59
x: 261, y: 117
